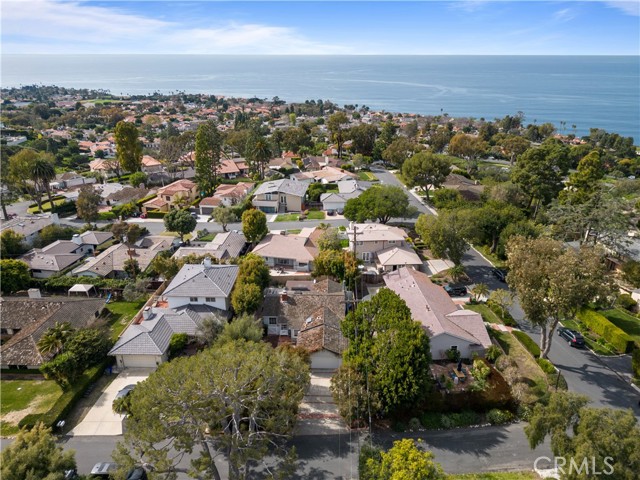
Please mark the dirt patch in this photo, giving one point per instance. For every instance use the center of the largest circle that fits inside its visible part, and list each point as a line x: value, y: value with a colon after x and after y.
x: 14, y: 417
x: 445, y: 371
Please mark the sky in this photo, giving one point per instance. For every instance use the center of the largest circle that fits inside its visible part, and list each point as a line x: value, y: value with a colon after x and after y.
x: 456, y: 27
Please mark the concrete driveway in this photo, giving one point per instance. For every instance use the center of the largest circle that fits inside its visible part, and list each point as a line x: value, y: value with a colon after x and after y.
x: 101, y: 420
x: 318, y: 413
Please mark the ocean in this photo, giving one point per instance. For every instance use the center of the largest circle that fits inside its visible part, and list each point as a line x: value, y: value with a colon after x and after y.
x: 585, y: 91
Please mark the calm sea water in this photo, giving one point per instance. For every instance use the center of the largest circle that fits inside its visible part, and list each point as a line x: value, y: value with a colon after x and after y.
x: 586, y: 91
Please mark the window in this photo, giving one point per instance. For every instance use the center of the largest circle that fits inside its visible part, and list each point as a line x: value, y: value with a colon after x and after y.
x: 391, y: 242
x: 359, y: 243
x: 295, y: 333
x: 193, y: 299
x: 167, y: 198
x: 210, y: 299
x: 454, y: 347
x: 273, y: 320
x: 4, y: 331
x: 268, y: 197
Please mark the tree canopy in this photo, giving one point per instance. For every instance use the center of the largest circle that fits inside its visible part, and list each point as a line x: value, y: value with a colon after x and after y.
x: 379, y: 203
x: 14, y: 275
x: 216, y: 401
x: 254, y: 225
x: 128, y: 146
x: 180, y: 221
x: 208, y: 150
x: 444, y: 235
x: 426, y: 170
x: 403, y: 461
x: 87, y: 203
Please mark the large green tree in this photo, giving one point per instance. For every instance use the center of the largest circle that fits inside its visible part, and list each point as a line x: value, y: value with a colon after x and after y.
x: 43, y: 173
x: 444, y: 235
x: 14, y: 275
x: 54, y: 339
x: 254, y: 269
x: 514, y: 145
x: 426, y: 171
x: 389, y: 350
x: 254, y: 225
x: 468, y: 147
x: 592, y: 441
x: 379, y: 203
x: 246, y: 298
x: 12, y: 244
x: 180, y: 221
x: 208, y: 155
x: 553, y: 281
x: 404, y: 461
x: 259, y: 152
x: 584, y: 182
x: 337, y: 127
x: 35, y: 455
x: 87, y: 203
x: 224, y: 216
x: 399, y: 150
x: 238, y: 399
x: 364, y: 138
x: 128, y: 147
x: 485, y: 224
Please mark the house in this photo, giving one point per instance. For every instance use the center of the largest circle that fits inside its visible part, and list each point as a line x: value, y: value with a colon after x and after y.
x: 57, y: 256
x: 176, y: 193
x: 151, y: 165
x: 70, y: 180
x: 225, y: 195
x: 25, y: 321
x: 145, y: 343
x: 280, y: 196
x: 347, y: 189
x: 469, y: 189
x: 367, y: 239
x: 290, y: 252
x: 223, y: 246
x: 111, y: 262
x: 325, y: 175
x: 228, y: 169
x: 308, y: 314
x: 282, y: 163
x: 107, y: 167
x: 203, y: 284
x: 392, y: 258
x: 30, y: 225
x: 97, y: 240
x: 449, y: 327
x: 127, y: 194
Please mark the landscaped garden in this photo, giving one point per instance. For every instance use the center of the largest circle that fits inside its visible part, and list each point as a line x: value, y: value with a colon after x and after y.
x: 19, y: 398
x: 624, y: 321
x: 121, y: 315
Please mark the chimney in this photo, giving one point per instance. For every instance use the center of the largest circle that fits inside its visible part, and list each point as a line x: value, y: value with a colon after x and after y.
x: 76, y: 239
x: 146, y: 313
x: 34, y: 293
x: 207, y: 262
x: 283, y: 296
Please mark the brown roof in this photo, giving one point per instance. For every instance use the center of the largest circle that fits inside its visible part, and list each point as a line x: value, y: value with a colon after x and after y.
x: 322, y: 331
x: 177, y: 187
x: 34, y: 317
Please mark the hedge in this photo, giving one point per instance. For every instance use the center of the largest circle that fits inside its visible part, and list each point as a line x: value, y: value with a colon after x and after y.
x: 68, y: 399
x: 123, y: 178
x: 46, y: 199
x: 107, y: 216
x: 600, y: 325
x: 65, y: 281
x: 527, y: 343
x: 155, y: 214
x: 635, y: 363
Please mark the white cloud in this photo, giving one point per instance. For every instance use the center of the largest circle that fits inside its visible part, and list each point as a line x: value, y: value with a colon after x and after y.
x: 630, y: 7
x: 48, y: 26
x: 563, y: 15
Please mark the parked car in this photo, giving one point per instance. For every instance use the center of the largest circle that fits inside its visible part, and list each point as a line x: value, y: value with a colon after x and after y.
x: 499, y: 274
x: 125, y: 391
x: 143, y: 215
x: 194, y: 215
x: 455, y: 290
x: 574, y: 338
x: 137, y: 473
x: 331, y: 212
x: 340, y: 211
x: 103, y: 469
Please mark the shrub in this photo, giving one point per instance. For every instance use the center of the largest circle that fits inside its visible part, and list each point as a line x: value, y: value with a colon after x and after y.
x: 453, y: 355
x: 627, y: 302
x: 495, y: 416
x: 177, y: 343
x: 546, y: 366
x: 480, y: 370
x: 399, y: 426
x: 414, y: 424
x: 431, y: 420
x: 446, y: 421
x: 635, y: 362
x: 524, y: 412
x: 619, y: 339
x: 155, y: 214
x: 527, y: 343
x: 465, y: 418
x: 106, y: 216
x: 492, y: 353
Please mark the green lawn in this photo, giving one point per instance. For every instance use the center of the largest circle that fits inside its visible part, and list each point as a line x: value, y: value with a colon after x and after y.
x: 367, y: 177
x: 294, y: 231
x: 207, y: 238
x: 287, y: 217
x: 487, y: 314
x: 624, y: 321
x: 495, y: 476
x: 167, y: 233
x: 315, y: 215
x: 21, y: 397
x: 121, y: 315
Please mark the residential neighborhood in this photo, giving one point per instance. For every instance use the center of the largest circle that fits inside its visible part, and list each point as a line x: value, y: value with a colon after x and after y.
x: 372, y: 273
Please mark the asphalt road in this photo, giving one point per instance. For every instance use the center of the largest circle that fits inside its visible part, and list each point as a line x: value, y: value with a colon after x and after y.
x: 336, y: 456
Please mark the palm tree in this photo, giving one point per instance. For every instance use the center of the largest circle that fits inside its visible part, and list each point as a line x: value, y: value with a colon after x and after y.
x: 53, y: 340
x: 260, y: 154
x: 457, y: 272
x: 480, y: 290
x: 43, y: 172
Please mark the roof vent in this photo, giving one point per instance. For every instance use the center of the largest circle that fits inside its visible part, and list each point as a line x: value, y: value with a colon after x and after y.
x: 34, y: 293
x: 284, y: 297
x: 146, y: 313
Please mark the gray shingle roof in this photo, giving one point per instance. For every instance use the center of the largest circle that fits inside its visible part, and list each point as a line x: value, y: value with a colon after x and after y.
x: 95, y: 238
x: 200, y: 280
x: 283, y: 186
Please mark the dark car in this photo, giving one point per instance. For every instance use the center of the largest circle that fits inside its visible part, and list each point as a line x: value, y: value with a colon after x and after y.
x: 499, y: 274
x: 137, y: 473
x: 104, y: 469
x: 455, y: 290
x: 331, y: 212
x: 125, y: 391
x: 340, y: 211
x: 574, y: 338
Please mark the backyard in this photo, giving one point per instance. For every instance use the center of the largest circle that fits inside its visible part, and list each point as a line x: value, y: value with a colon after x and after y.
x: 121, y: 315
x: 19, y: 398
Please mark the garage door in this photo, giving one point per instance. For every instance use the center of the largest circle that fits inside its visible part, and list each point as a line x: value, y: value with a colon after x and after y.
x: 325, y: 360
x: 140, y: 361
x: 268, y: 209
